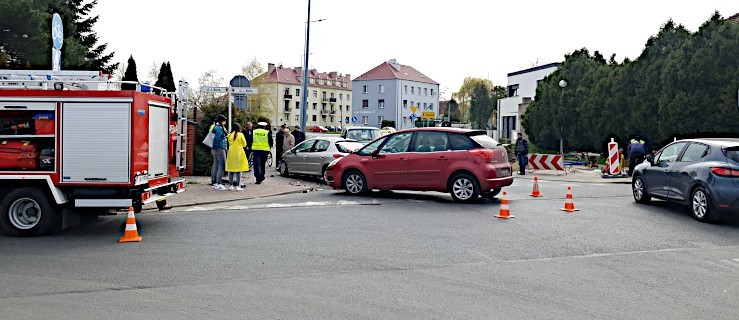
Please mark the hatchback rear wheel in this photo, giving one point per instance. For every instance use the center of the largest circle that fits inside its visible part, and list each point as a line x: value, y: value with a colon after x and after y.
x: 700, y: 205
x: 464, y: 188
x: 639, y: 191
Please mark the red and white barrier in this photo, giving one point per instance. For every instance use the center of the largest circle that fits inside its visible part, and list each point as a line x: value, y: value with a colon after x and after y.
x: 613, y: 158
x: 547, y: 162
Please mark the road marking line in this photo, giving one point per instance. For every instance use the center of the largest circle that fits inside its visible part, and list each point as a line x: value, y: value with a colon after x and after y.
x: 720, y: 265
x: 470, y: 251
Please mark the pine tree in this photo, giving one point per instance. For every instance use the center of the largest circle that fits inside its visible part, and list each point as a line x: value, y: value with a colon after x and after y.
x: 95, y: 56
x: 165, y: 79
x: 130, y: 75
x: 170, y: 84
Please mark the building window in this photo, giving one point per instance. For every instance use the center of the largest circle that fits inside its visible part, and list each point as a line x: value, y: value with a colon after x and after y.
x: 348, y: 96
x: 365, y: 104
x: 287, y: 91
x: 405, y: 89
x: 412, y: 104
x: 297, y: 118
x: 341, y: 96
x: 413, y: 90
x: 405, y: 121
x: 381, y: 103
x: 379, y: 120
x: 513, y: 91
x: 431, y: 107
x: 347, y: 107
x: 323, y: 95
x: 432, y: 92
x: 297, y: 104
x: 287, y: 105
x: 382, y: 89
x: 425, y: 106
x: 364, y: 89
x: 321, y: 82
x: 425, y: 91
x: 405, y: 104
x: 312, y: 80
x: 419, y: 91
x: 332, y: 95
x: 297, y: 92
x: 365, y: 119
x: 315, y: 93
x: 315, y: 106
x: 314, y: 117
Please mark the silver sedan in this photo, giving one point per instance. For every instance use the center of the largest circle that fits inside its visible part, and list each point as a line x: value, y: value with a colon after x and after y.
x: 312, y: 156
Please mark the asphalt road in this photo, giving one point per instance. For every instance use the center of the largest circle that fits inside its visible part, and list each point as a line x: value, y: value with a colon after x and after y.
x: 326, y: 255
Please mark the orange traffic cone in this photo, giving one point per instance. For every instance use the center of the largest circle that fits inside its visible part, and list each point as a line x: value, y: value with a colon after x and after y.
x: 131, y: 234
x: 504, y: 212
x: 536, y: 192
x: 569, y: 204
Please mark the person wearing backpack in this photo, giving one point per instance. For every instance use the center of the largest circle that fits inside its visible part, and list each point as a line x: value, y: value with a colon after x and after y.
x: 522, y: 153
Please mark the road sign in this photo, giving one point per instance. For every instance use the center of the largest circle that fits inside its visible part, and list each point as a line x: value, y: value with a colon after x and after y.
x: 354, y: 119
x: 225, y: 90
x: 428, y: 115
x: 57, y: 31
x: 413, y: 117
x: 414, y: 109
x: 242, y: 90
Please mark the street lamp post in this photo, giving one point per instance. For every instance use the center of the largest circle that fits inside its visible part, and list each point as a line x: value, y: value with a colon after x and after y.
x: 562, y: 84
x: 304, y: 97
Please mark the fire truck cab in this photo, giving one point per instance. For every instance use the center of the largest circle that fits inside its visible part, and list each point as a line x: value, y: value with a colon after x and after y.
x: 72, y: 140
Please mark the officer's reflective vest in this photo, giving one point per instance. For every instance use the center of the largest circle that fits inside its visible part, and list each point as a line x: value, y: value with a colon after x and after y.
x: 261, y: 140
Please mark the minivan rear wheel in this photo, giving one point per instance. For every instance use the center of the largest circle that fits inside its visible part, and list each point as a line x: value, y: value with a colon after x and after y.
x: 464, y: 188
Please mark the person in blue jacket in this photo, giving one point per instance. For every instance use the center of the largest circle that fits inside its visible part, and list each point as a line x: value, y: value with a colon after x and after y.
x: 218, y: 151
x: 637, y: 151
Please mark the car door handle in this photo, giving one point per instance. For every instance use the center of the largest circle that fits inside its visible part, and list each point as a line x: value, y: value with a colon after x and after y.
x: 443, y: 158
x: 402, y: 159
x: 305, y: 157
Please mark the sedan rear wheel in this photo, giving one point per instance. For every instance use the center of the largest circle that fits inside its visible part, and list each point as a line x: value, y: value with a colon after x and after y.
x: 700, y: 205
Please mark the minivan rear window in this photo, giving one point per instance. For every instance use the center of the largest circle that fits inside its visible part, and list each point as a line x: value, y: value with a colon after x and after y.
x: 485, y: 141
x: 733, y: 153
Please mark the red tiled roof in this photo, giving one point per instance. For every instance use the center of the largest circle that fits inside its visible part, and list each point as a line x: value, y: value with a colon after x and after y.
x: 291, y: 76
x: 386, y: 71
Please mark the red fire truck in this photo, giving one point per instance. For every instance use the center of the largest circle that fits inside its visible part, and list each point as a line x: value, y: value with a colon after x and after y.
x: 70, y: 141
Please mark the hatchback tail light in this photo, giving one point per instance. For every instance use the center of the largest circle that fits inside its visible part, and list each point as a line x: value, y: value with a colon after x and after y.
x: 338, y: 155
x: 725, y: 172
x: 491, y: 155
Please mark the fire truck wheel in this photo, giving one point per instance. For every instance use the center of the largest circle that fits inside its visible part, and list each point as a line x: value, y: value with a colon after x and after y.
x: 27, y: 212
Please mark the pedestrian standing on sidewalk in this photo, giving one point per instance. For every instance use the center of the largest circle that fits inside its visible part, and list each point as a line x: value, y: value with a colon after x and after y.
x: 261, y: 147
x: 299, y: 135
x: 522, y: 153
x: 249, y: 134
x: 218, y: 151
x: 236, y: 162
x: 289, y: 140
x: 279, y: 139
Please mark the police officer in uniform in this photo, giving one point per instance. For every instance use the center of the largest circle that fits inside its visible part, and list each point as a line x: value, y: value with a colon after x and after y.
x: 637, y: 151
x: 261, y: 147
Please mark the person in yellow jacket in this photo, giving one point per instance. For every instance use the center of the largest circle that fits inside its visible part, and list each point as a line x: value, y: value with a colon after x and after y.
x: 261, y: 147
x: 236, y: 162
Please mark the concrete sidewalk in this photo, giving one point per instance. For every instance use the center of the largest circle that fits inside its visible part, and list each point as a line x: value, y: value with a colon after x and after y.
x: 580, y: 174
x: 199, y: 191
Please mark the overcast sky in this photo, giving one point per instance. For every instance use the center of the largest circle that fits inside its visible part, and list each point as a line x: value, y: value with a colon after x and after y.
x: 446, y: 40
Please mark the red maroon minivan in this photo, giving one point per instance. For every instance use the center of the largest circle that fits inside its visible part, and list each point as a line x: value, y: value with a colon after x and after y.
x: 466, y: 163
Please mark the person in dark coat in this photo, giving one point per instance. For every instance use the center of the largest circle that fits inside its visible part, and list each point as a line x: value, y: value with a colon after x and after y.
x: 249, y: 135
x: 637, y: 151
x: 522, y: 153
x: 280, y: 139
x: 299, y: 135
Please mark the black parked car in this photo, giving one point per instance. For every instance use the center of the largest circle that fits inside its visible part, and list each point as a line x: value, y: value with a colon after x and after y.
x: 700, y: 173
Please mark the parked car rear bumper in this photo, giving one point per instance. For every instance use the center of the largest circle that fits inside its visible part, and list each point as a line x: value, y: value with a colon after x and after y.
x: 496, y: 183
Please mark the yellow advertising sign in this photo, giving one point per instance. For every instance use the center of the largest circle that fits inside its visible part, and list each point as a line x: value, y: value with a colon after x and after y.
x: 428, y: 115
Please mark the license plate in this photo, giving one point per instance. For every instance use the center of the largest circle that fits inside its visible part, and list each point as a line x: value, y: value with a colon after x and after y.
x: 505, y: 172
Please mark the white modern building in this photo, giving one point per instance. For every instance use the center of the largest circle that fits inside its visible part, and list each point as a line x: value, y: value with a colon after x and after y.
x: 521, y: 90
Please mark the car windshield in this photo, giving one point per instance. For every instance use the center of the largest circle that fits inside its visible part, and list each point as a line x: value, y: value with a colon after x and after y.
x: 363, y: 134
x: 348, y: 146
x: 484, y: 140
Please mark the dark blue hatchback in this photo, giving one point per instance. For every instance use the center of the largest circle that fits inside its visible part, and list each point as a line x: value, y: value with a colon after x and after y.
x: 700, y: 173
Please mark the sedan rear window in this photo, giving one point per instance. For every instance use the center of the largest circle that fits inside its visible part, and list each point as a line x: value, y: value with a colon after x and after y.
x: 485, y: 141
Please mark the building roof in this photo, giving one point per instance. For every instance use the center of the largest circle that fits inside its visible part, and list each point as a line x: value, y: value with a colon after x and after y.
x: 393, y: 70
x: 331, y: 80
x: 542, y: 67
x: 734, y: 18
